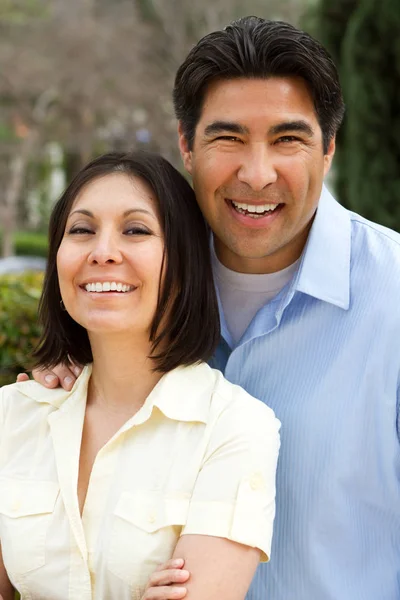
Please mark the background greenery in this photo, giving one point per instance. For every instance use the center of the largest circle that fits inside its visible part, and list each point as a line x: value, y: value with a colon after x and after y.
x: 19, y: 329
x: 363, y: 39
x: 29, y: 243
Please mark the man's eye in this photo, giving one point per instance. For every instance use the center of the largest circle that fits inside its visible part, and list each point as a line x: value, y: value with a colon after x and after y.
x: 227, y: 138
x: 288, y: 138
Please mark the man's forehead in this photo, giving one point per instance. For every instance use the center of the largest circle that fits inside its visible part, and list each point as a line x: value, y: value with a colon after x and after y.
x: 249, y: 102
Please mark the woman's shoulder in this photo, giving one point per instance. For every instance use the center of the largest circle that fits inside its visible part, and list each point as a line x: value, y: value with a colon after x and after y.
x: 29, y: 396
x: 234, y: 404
x: 31, y: 392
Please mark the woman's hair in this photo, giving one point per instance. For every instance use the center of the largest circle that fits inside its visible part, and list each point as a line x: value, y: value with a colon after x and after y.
x: 254, y: 48
x: 185, y: 327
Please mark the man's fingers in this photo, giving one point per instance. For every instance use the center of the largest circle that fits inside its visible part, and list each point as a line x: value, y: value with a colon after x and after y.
x: 20, y: 377
x: 165, y: 593
x: 167, y: 577
x: 172, y: 563
x: 59, y: 376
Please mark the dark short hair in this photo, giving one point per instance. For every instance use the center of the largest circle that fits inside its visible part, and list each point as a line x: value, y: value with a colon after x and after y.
x: 255, y: 48
x: 185, y: 328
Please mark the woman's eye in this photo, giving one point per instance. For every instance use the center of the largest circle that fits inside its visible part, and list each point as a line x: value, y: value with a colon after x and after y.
x: 79, y: 230
x: 137, y: 231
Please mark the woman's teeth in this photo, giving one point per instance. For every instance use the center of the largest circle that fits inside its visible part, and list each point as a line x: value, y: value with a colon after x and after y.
x: 254, y: 210
x: 108, y: 286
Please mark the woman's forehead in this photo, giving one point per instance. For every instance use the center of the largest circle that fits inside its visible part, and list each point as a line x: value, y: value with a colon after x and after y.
x: 115, y: 192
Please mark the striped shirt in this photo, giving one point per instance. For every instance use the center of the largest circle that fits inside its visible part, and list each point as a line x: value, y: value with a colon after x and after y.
x: 325, y: 356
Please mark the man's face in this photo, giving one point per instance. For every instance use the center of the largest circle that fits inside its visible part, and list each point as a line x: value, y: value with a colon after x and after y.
x: 258, y: 166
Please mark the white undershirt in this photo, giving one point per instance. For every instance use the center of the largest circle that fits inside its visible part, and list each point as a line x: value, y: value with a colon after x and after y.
x: 243, y: 294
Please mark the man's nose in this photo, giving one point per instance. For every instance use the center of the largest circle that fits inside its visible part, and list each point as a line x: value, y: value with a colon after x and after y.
x: 105, y: 250
x: 257, y: 169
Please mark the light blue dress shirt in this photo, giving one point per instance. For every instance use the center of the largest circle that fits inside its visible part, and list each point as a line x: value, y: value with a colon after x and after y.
x: 325, y: 355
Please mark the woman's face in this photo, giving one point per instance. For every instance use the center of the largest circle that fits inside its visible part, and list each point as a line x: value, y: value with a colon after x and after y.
x: 109, y: 261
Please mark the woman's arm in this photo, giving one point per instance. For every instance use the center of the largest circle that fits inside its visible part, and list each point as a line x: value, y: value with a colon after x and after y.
x: 219, y: 569
x: 6, y: 589
x: 228, y: 528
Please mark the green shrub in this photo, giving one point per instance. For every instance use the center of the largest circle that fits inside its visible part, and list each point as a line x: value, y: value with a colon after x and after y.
x: 19, y: 329
x: 30, y: 243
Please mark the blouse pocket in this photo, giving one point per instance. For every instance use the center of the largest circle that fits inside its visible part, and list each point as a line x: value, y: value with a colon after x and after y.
x: 25, y: 512
x: 146, y: 527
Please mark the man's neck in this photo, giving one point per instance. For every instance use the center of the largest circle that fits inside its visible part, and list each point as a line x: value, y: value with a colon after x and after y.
x: 276, y: 261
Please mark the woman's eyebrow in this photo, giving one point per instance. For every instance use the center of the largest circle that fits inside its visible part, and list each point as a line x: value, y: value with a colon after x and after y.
x: 82, y: 211
x: 87, y: 213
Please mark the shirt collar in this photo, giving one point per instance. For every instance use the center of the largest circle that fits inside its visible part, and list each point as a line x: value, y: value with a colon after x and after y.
x: 183, y: 394
x: 325, y: 268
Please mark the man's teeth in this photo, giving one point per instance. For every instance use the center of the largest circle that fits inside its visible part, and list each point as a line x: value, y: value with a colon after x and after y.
x: 253, y: 210
x: 108, y: 286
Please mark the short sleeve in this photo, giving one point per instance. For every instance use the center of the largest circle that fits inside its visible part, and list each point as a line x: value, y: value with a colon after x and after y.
x: 1, y: 413
x: 1, y: 416
x: 234, y: 495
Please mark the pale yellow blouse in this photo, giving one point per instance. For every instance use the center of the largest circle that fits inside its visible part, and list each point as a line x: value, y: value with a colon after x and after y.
x: 198, y: 458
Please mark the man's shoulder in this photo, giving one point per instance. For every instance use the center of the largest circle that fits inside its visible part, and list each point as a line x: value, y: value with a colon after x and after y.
x: 382, y: 234
x: 374, y: 246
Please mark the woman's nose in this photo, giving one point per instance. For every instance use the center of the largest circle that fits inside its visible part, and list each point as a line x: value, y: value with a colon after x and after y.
x: 105, y: 251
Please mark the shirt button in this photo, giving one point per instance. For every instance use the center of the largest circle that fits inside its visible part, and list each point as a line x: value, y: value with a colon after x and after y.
x: 16, y: 505
x: 256, y: 481
x: 152, y: 518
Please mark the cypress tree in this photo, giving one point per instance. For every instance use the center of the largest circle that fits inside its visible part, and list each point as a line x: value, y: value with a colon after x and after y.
x: 327, y: 21
x: 371, y: 81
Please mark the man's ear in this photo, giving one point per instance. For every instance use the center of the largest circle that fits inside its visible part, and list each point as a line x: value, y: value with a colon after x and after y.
x: 328, y: 157
x: 184, y: 149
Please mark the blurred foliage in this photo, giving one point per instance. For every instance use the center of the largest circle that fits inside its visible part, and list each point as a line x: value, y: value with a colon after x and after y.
x: 19, y: 329
x: 30, y: 243
x: 18, y: 11
x: 363, y: 39
x: 371, y: 78
x: 327, y: 21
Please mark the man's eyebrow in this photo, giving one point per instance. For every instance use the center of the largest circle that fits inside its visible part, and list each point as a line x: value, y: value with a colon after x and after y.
x: 225, y: 126
x: 300, y: 126
x: 87, y: 213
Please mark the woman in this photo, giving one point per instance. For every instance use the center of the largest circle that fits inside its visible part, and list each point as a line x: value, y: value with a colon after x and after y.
x: 153, y: 454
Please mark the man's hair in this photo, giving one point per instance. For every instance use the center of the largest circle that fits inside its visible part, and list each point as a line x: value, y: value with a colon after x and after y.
x: 255, y: 48
x: 185, y: 327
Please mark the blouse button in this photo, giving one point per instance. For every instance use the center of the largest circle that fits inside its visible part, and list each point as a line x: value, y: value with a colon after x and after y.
x: 256, y: 481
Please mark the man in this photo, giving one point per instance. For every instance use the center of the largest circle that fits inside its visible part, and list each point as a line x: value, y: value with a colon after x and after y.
x: 309, y: 296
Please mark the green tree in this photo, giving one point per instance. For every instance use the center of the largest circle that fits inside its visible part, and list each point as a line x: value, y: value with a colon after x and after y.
x: 362, y: 37
x: 327, y: 21
x: 371, y: 76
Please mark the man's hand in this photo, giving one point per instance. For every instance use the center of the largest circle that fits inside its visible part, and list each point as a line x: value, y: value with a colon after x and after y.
x: 166, y: 581
x: 62, y: 375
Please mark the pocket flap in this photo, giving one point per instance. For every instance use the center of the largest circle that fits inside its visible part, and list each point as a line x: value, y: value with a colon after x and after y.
x: 152, y: 510
x: 22, y: 498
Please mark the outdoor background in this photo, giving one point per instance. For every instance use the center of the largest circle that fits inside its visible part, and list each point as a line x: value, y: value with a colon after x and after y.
x: 79, y: 77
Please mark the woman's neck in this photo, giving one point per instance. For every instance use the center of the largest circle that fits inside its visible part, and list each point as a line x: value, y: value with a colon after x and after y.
x: 122, y: 374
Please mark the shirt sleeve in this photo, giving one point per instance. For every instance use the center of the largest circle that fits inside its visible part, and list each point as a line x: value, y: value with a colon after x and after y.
x: 234, y: 495
x: 1, y: 416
